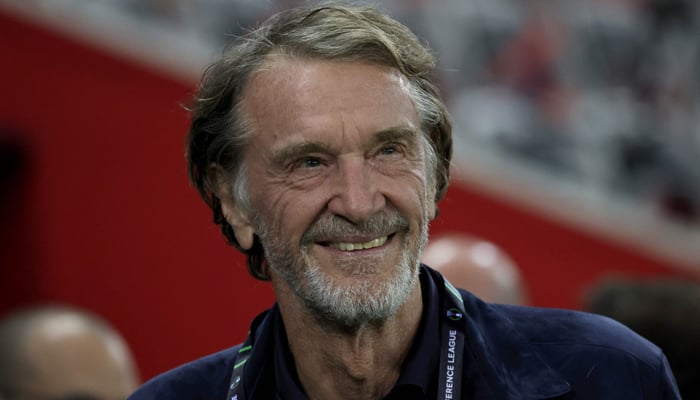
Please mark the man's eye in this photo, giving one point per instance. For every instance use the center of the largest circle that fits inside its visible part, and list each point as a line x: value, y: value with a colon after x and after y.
x: 391, y: 149
x: 310, y: 163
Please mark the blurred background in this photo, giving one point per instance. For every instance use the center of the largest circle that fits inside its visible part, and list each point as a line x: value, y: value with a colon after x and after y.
x: 577, y: 140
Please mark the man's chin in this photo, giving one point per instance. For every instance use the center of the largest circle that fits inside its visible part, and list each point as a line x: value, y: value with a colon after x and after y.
x: 348, y: 320
x: 365, y: 300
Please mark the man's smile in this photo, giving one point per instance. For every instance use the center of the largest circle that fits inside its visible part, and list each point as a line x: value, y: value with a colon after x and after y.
x: 347, y: 246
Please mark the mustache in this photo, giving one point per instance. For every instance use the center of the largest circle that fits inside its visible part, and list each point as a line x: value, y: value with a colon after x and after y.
x: 329, y: 227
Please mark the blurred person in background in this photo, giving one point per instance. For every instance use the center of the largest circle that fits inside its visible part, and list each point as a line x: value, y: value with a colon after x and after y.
x: 666, y: 312
x: 478, y: 266
x: 62, y: 353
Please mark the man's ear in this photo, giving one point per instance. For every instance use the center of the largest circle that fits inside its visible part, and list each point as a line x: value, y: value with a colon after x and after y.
x: 233, y: 212
x: 431, y: 197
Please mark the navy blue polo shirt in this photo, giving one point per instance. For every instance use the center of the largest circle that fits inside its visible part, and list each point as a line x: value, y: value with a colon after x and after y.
x: 418, y: 373
x: 510, y: 352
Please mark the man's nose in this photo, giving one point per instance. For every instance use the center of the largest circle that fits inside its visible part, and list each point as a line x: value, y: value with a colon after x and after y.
x: 356, y: 192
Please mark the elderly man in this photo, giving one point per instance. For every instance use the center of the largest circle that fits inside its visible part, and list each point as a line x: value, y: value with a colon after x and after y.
x: 55, y: 352
x: 322, y: 147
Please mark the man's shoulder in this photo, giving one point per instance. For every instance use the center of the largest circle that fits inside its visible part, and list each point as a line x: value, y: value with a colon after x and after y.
x: 559, y: 327
x: 585, y: 348
x: 582, y: 348
x: 205, y: 378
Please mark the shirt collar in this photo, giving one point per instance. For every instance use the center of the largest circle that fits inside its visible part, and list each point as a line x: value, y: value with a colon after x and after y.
x: 499, y: 361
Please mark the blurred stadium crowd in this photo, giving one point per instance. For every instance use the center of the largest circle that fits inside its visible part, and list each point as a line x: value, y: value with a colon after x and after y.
x: 604, y: 93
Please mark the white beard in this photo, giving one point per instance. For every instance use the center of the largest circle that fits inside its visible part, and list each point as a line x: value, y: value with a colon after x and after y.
x: 363, y: 301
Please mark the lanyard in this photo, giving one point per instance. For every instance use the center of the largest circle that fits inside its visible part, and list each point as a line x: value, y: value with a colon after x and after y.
x: 451, y: 345
x: 451, y: 351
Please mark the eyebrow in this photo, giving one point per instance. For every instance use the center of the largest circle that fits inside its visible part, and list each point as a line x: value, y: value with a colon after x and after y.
x: 299, y: 150
x: 395, y: 133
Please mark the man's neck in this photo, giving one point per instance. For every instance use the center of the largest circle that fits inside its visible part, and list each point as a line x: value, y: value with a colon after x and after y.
x: 359, y: 363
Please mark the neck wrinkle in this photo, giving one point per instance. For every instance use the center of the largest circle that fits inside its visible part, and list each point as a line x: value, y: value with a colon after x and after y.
x: 337, y: 362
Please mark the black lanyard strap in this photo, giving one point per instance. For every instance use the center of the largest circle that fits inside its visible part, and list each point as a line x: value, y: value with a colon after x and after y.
x: 235, y: 391
x: 451, y: 345
x: 451, y: 351
x: 239, y: 361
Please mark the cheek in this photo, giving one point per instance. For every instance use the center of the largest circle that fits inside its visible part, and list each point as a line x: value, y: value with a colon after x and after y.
x: 286, y: 211
x: 409, y: 192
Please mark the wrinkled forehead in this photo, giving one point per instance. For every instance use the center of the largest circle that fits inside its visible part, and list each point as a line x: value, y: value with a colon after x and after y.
x: 287, y: 89
x: 279, y: 69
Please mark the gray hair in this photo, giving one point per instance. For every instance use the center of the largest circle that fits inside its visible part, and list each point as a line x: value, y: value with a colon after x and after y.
x: 219, y: 131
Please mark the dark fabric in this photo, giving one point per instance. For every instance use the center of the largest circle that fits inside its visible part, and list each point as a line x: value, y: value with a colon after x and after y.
x: 511, y: 352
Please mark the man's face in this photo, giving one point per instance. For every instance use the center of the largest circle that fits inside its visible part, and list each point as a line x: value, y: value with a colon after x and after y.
x: 338, y: 185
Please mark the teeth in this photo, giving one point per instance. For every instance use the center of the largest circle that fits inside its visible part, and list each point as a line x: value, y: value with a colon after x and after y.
x: 359, y: 246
